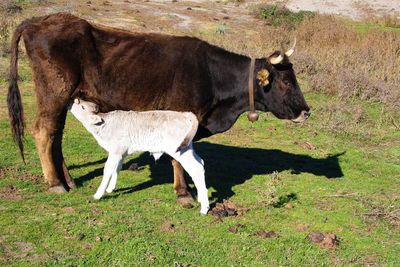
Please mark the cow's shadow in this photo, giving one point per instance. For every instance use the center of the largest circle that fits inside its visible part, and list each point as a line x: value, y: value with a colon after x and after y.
x: 228, y: 166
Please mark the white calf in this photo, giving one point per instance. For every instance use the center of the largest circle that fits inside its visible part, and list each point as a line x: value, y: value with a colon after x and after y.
x: 122, y: 133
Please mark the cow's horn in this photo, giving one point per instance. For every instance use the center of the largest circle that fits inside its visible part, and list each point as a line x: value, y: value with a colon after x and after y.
x: 276, y: 60
x: 291, y: 50
x: 76, y: 101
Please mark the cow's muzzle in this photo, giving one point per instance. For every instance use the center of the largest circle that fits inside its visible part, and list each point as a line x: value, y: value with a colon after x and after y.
x: 304, y: 115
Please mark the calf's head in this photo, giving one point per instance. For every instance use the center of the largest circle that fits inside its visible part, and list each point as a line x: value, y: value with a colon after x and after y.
x: 86, y: 112
x: 280, y: 92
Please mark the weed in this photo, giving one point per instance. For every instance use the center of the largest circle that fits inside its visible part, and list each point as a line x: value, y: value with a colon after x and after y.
x: 281, y: 16
x: 270, y: 196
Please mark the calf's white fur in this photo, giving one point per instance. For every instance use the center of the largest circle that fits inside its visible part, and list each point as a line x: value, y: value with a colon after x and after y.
x: 122, y: 133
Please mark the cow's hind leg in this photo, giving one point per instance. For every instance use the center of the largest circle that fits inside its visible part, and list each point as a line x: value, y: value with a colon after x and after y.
x: 185, y: 199
x: 58, y: 155
x: 54, y: 87
x: 48, y: 135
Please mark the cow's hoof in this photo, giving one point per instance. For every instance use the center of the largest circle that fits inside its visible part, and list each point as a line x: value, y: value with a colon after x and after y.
x: 71, y: 184
x: 186, y: 201
x: 59, y: 189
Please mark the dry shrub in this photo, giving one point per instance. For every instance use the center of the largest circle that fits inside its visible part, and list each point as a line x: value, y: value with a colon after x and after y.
x: 339, y: 60
x: 8, y: 21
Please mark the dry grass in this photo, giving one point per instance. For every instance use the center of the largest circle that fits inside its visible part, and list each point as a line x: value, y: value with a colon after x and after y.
x: 339, y: 60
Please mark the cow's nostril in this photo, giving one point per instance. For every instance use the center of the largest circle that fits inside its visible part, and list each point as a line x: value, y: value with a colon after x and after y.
x: 306, y: 113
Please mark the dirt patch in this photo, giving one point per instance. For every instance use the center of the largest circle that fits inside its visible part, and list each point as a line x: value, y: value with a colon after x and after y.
x: 167, y: 226
x: 348, y: 8
x: 324, y: 240
x: 20, y: 175
x: 266, y: 234
x: 305, y: 145
x: 302, y: 227
x: 227, y: 208
x: 10, y: 192
x: 236, y: 228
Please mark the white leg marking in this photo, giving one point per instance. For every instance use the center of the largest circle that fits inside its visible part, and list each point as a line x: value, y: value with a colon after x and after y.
x: 109, y: 168
x: 193, y: 165
x: 113, y: 181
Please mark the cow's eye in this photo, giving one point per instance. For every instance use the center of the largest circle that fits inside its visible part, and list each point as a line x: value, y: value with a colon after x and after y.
x: 83, y: 107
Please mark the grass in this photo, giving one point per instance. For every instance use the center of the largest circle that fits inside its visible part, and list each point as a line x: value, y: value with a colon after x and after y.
x: 339, y: 171
x: 125, y: 228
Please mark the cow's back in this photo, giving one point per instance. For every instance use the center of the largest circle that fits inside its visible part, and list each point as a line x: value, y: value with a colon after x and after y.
x: 142, y: 71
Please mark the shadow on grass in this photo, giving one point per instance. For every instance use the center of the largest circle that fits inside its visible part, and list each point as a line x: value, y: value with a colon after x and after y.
x: 228, y: 166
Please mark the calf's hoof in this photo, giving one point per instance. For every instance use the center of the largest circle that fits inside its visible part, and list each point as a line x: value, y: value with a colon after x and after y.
x: 59, y: 189
x: 97, y: 196
x: 204, y: 211
x: 186, y: 201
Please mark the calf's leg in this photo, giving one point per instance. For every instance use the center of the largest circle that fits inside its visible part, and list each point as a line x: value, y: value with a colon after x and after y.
x: 113, y: 181
x: 194, y: 166
x: 110, y: 167
x: 185, y: 199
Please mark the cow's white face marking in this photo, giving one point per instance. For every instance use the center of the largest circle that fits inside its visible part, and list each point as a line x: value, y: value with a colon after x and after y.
x: 302, y: 117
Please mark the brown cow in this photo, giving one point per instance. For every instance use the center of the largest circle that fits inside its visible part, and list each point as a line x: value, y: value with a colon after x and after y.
x: 140, y: 71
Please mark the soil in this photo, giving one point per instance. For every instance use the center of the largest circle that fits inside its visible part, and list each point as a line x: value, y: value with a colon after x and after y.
x: 348, y: 8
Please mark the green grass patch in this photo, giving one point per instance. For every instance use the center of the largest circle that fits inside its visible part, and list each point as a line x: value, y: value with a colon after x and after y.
x: 315, y: 168
x: 367, y: 27
x: 281, y: 16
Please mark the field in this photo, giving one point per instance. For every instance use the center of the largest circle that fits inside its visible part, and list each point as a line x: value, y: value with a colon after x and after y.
x: 338, y: 173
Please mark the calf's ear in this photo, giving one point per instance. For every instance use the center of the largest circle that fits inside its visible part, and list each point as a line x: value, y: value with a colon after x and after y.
x: 96, y: 119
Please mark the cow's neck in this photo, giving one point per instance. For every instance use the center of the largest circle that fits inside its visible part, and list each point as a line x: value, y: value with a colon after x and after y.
x: 231, y: 97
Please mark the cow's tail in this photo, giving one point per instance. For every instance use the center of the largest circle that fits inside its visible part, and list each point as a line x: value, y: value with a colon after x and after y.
x: 14, y: 103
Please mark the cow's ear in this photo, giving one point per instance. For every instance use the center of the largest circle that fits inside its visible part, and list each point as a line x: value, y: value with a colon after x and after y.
x: 96, y: 120
x: 262, y: 77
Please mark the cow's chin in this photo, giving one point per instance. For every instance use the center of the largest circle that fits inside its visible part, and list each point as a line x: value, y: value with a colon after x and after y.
x: 302, y: 117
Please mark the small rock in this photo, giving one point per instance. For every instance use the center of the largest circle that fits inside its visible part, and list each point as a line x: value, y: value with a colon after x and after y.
x: 289, y: 206
x: 99, y: 239
x: 189, y: 8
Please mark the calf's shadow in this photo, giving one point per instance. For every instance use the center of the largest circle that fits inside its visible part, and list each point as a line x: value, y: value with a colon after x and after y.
x: 228, y: 166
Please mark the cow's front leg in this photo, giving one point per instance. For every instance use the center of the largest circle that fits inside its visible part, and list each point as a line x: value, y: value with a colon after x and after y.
x: 185, y: 199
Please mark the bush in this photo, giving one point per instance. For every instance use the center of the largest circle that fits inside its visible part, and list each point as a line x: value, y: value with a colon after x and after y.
x: 281, y: 16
